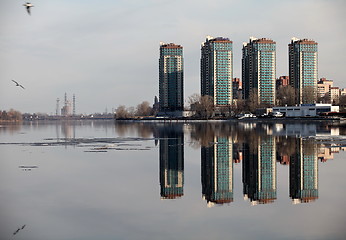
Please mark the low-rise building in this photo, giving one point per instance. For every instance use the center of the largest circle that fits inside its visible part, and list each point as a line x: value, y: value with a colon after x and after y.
x: 306, y: 110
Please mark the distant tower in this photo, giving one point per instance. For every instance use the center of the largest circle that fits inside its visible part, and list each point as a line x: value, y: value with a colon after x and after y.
x: 66, y: 109
x: 57, y: 106
x: 65, y: 104
x: 74, y: 105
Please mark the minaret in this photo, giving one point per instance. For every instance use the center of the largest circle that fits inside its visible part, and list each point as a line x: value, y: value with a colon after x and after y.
x: 57, y: 106
x: 74, y: 105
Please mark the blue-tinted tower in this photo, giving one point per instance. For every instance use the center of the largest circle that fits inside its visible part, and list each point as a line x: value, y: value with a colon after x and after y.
x: 259, y: 70
x: 303, y: 69
x: 217, y: 70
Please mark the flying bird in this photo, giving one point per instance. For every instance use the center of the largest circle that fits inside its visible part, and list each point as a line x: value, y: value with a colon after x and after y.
x: 17, y: 84
x: 16, y: 231
x: 28, y: 6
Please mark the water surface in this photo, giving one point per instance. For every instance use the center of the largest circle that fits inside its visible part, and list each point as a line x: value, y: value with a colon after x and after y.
x: 100, y: 180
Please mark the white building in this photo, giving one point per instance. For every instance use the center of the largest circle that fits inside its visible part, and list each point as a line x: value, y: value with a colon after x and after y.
x: 306, y: 110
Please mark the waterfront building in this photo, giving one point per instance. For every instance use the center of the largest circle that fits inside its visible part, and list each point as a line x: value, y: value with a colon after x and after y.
x: 306, y: 110
x: 259, y: 70
x: 259, y: 170
x: 303, y: 69
x: 171, y: 161
x: 171, y: 78
x: 217, y: 70
x: 304, y: 172
x: 217, y: 171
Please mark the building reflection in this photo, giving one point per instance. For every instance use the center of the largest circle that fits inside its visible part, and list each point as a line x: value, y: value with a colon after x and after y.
x: 304, y: 172
x: 171, y: 146
x: 259, y: 170
x: 217, y: 171
x: 257, y: 146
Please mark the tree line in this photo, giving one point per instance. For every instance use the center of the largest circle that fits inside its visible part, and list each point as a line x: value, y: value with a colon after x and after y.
x: 11, y: 115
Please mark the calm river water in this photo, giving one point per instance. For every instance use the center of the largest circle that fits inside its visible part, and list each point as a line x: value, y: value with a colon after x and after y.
x: 99, y: 180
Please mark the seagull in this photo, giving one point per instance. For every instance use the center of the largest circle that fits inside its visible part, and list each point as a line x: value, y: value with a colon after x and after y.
x: 16, y: 231
x: 28, y: 6
x: 17, y: 84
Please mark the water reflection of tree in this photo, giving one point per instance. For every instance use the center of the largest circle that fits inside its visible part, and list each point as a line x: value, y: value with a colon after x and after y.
x: 12, y: 128
x: 141, y: 129
x: 286, y: 146
x: 204, y: 133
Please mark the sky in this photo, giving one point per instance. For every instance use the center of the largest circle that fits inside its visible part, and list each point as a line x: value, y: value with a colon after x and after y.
x: 107, y: 52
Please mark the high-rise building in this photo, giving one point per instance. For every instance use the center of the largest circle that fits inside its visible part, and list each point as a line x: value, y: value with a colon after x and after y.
x: 171, y: 77
x: 217, y: 70
x: 303, y: 69
x: 259, y: 70
x: 217, y: 171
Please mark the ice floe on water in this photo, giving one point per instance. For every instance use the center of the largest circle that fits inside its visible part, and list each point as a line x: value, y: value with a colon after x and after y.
x: 93, y: 144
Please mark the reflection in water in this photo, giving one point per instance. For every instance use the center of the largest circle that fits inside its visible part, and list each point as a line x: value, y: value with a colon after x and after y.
x: 304, y: 172
x: 258, y: 146
x: 217, y: 171
x: 171, y: 161
x: 259, y: 170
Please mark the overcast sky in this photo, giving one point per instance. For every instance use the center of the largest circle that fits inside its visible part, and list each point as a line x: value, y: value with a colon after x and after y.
x: 106, y: 52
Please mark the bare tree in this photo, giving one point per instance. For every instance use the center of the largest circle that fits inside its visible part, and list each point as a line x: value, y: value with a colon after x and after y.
x: 285, y: 95
x: 121, y: 112
x: 143, y: 109
x: 309, y: 94
x: 202, y: 105
x: 323, y: 99
x: 252, y: 102
x: 342, y: 102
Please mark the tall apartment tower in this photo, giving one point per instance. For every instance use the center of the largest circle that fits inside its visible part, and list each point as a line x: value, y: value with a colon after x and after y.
x: 259, y: 70
x: 303, y: 69
x: 217, y: 70
x: 171, y: 77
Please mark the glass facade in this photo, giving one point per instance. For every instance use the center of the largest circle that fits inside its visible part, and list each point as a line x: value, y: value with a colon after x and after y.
x: 217, y: 70
x: 259, y: 69
x: 171, y: 78
x: 303, y: 69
